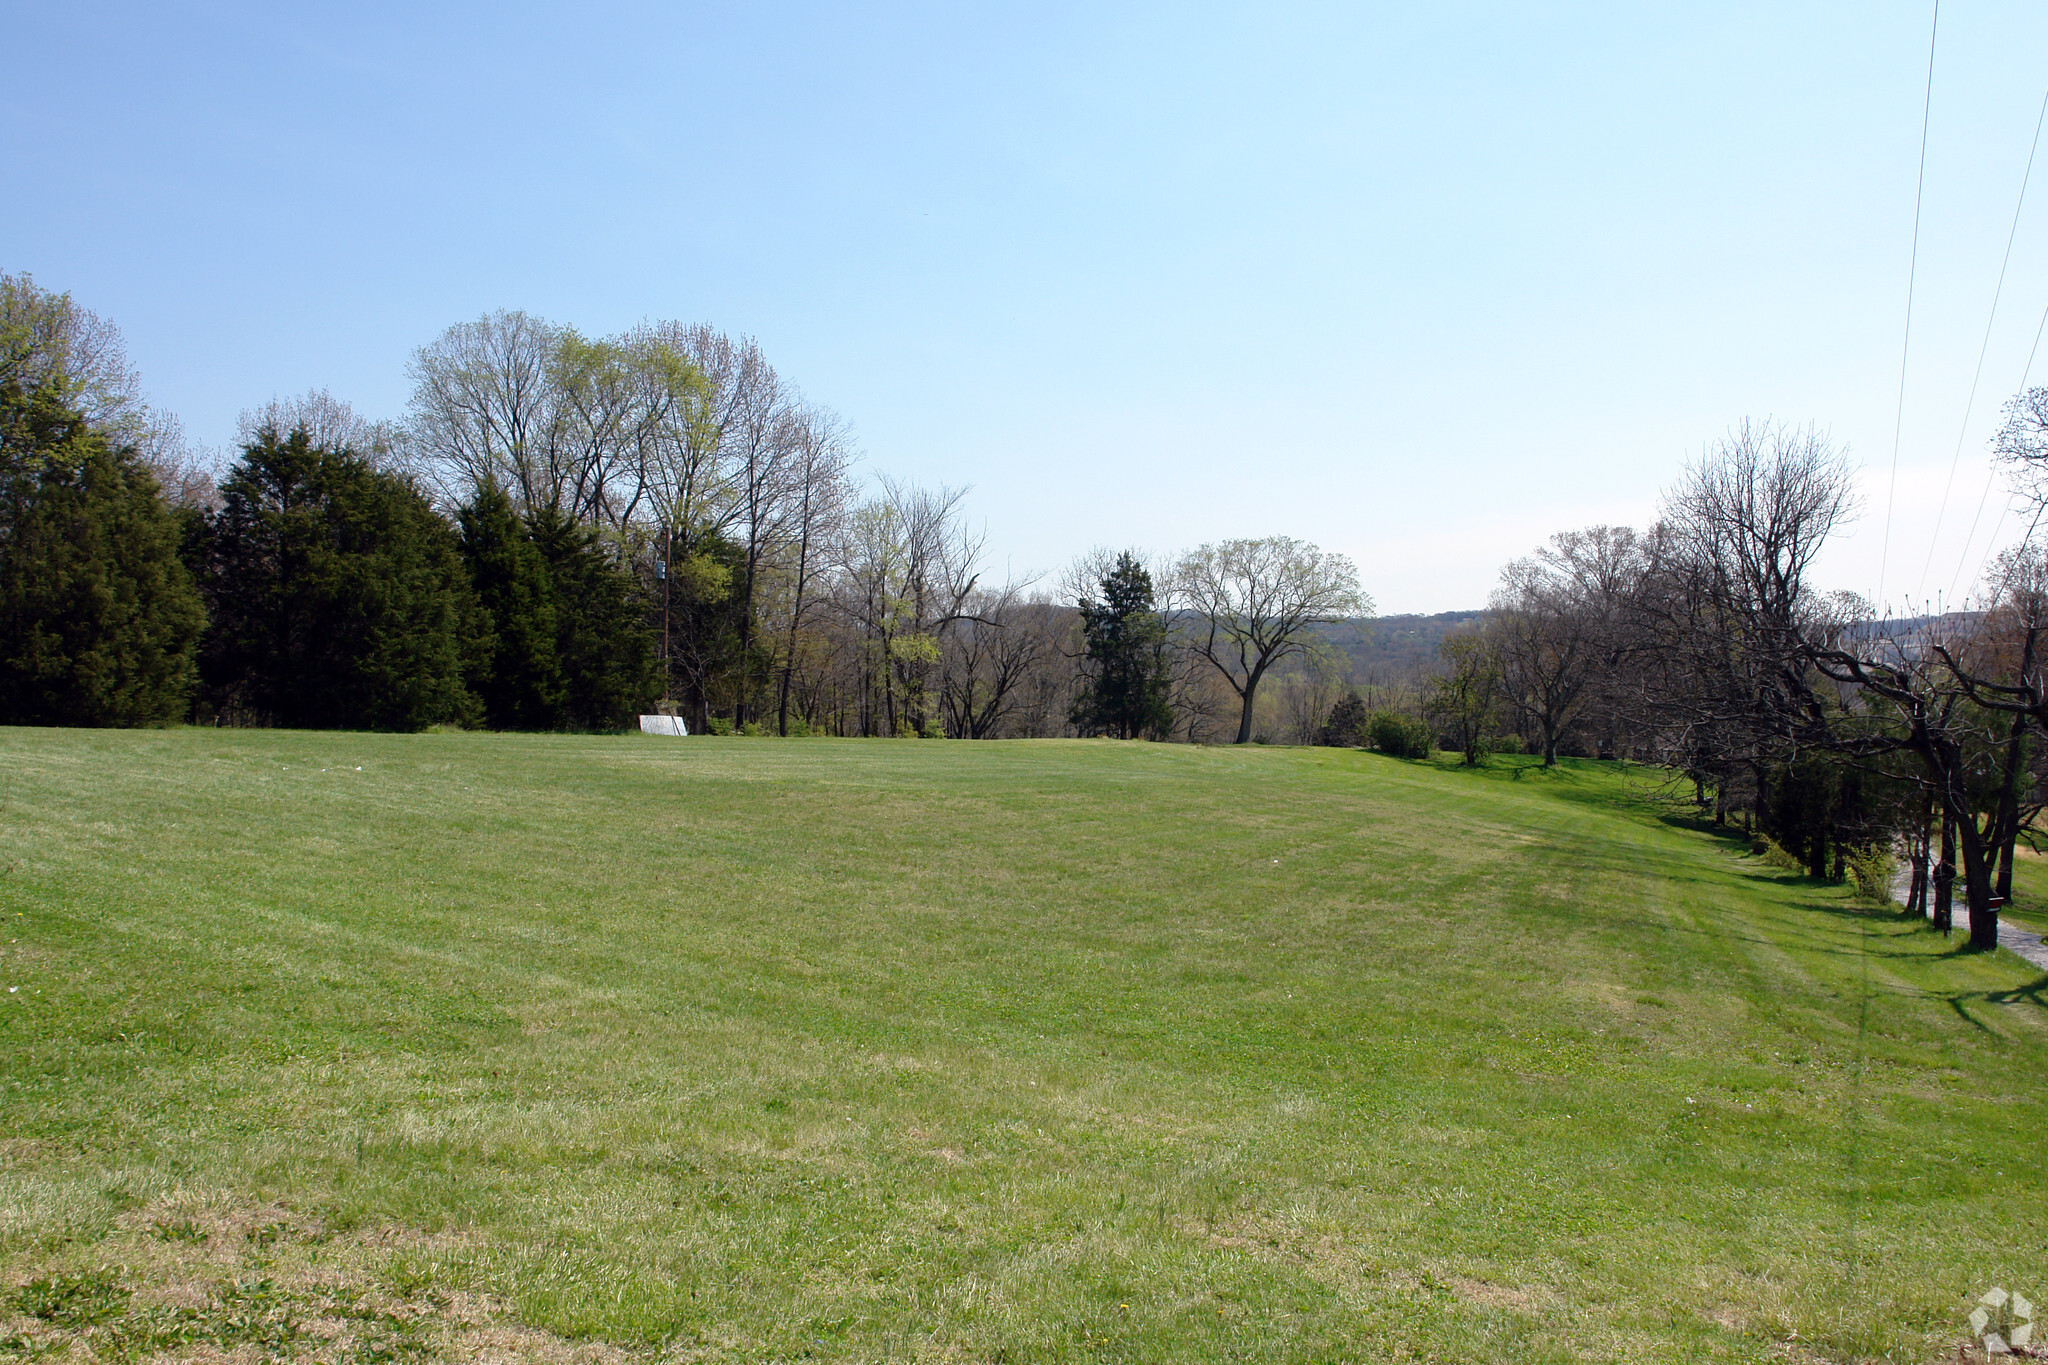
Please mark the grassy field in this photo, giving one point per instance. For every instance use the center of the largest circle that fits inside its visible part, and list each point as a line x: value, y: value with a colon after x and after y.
x: 380, y: 1048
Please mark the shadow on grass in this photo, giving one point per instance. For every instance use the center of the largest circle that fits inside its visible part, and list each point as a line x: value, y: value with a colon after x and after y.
x: 1611, y: 784
x: 2034, y: 993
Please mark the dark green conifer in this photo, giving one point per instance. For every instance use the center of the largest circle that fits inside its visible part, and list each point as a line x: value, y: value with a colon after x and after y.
x: 602, y: 645
x: 518, y: 679
x: 1129, y: 672
x: 1346, y: 727
x: 98, y: 617
x: 338, y: 598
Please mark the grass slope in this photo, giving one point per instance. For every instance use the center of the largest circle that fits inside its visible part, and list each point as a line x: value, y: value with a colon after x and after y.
x: 379, y: 1047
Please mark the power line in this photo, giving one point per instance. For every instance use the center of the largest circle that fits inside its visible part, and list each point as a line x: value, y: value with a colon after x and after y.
x: 1912, y: 273
x: 1992, y: 477
x: 1970, y: 404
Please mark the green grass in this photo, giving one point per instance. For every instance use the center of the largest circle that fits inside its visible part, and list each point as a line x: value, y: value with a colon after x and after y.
x: 2029, y: 908
x: 742, y: 1050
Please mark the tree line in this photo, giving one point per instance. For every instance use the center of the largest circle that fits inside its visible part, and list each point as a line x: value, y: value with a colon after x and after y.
x: 561, y: 532
x: 564, y: 531
x: 1837, y: 736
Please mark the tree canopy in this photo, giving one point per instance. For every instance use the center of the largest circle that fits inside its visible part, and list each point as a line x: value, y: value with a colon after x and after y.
x: 98, y: 617
x: 337, y: 594
x: 1253, y: 603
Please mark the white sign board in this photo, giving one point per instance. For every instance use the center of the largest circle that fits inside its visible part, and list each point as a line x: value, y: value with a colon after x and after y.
x: 662, y: 725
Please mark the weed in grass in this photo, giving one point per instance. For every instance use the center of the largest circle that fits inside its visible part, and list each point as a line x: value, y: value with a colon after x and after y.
x: 177, y: 1230
x: 269, y: 1234
x: 79, y: 1300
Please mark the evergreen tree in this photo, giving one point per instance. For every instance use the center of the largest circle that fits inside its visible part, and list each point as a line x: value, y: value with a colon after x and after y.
x: 1128, y: 681
x: 1346, y: 728
x: 710, y: 666
x: 518, y: 680
x: 338, y: 597
x: 602, y: 647
x: 98, y: 617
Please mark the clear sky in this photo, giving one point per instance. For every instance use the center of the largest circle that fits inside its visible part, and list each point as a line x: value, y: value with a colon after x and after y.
x: 1420, y: 283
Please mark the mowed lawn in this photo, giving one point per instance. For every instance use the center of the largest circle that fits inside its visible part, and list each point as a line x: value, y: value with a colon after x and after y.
x: 370, y: 1047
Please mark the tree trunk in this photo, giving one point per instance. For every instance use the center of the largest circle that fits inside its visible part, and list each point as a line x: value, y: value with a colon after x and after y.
x: 1924, y: 858
x: 1945, y: 875
x: 1917, y: 840
x: 2006, y: 825
x: 1977, y: 889
x: 1977, y: 867
x: 1244, y: 722
x: 796, y: 612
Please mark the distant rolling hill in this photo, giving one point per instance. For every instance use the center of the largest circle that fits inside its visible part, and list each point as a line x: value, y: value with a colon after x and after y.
x: 1397, y: 647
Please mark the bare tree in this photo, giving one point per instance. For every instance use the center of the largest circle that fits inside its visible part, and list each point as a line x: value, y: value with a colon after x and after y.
x: 908, y: 565
x: 46, y: 337
x: 1307, y: 692
x: 327, y: 421
x: 765, y: 437
x: 1723, y: 627
x: 1551, y: 625
x: 1252, y: 603
x: 2022, y: 442
x: 484, y: 409
x: 1462, y: 700
x: 821, y: 453
x: 1002, y: 639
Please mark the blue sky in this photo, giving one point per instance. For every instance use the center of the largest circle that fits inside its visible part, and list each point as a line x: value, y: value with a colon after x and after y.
x: 1422, y: 284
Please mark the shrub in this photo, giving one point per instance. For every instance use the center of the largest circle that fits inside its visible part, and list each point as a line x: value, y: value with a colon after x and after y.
x: 1399, y: 736
x: 1775, y: 853
x: 1871, y: 869
x: 1346, y: 728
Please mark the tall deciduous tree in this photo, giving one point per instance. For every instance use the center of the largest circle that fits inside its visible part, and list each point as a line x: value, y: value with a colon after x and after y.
x: 1252, y: 603
x: 1002, y: 645
x: 1551, y: 627
x: 821, y: 452
x: 1463, y: 699
x: 1129, y: 676
x: 47, y: 338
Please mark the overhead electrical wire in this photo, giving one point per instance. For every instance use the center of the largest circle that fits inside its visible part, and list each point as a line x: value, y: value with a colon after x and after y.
x: 1992, y: 477
x: 1983, y: 348
x: 1912, y: 273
